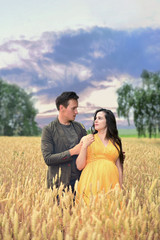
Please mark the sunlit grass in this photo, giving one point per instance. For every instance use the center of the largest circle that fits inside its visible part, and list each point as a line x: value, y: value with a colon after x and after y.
x: 28, y: 210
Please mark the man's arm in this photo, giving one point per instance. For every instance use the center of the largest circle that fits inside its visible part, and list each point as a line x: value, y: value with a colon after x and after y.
x: 47, y: 147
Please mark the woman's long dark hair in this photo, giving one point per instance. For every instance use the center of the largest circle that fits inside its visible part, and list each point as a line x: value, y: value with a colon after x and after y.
x: 112, y: 131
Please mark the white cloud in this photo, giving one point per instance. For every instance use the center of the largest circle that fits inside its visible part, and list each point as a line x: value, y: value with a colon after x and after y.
x: 32, y: 18
x: 125, y: 14
x: 97, y: 54
x: 9, y: 59
x: 103, y: 97
x: 17, y: 53
x: 44, y: 107
x: 79, y: 70
x: 58, y: 72
x: 99, y: 97
x: 11, y: 54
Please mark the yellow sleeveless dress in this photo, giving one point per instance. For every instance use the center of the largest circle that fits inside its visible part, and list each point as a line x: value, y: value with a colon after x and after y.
x: 100, y: 172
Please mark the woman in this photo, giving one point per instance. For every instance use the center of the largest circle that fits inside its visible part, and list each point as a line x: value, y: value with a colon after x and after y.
x: 101, y: 157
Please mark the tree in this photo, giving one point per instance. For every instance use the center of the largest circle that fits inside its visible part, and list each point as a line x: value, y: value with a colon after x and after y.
x: 144, y: 102
x: 17, y: 112
x: 151, y: 83
x: 125, y: 100
x: 139, y: 111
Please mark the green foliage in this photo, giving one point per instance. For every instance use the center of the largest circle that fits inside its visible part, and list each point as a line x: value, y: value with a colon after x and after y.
x: 125, y: 100
x: 144, y: 102
x: 17, y: 112
x: 89, y: 131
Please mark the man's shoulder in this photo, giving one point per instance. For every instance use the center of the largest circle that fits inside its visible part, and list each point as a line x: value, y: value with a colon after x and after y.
x: 79, y: 124
x: 51, y: 125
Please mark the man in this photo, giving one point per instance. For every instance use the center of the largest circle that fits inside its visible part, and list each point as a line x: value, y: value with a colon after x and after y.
x: 60, y: 142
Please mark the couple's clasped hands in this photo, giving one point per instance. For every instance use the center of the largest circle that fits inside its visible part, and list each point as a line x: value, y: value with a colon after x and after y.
x: 85, y: 142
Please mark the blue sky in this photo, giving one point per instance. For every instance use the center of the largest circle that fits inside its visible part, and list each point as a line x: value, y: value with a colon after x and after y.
x: 91, y: 47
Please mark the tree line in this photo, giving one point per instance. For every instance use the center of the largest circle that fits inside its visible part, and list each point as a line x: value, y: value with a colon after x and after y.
x: 17, y: 112
x: 143, y: 103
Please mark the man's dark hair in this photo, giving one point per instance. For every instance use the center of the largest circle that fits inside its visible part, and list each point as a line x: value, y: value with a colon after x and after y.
x: 64, y: 98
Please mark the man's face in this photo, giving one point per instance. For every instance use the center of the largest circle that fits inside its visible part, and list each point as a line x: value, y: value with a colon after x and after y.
x: 69, y: 113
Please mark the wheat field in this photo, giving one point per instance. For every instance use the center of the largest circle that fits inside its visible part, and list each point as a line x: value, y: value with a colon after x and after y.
x: 28, y: 210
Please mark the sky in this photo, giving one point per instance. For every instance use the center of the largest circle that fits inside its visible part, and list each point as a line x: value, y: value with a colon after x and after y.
x: 89, y: 46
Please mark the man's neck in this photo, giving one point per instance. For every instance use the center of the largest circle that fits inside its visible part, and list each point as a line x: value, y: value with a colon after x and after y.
x: 63, y: 121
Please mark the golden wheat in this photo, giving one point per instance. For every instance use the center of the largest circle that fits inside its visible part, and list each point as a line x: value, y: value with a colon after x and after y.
x: 28, y: 210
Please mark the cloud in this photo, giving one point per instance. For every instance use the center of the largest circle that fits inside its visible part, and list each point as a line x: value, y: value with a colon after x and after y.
x: 31, y: 20
x: 107, y: 51
x: 92, y: 62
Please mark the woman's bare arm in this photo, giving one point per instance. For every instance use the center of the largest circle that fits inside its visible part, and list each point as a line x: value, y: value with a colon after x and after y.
x: 82, y: 157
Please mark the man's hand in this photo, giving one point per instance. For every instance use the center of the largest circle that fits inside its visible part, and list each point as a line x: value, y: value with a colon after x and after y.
x: 75, y: 150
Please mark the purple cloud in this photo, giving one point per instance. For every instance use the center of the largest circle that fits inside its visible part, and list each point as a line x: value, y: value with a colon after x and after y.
x: 74, y: 60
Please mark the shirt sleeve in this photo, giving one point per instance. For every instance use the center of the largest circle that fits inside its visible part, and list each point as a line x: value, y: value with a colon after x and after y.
x: 48, y: 150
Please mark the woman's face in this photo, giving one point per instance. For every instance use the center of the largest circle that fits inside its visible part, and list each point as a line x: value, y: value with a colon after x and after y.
x: 100, y: 121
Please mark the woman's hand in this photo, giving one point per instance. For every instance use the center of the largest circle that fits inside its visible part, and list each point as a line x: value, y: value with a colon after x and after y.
x: 87, y: 140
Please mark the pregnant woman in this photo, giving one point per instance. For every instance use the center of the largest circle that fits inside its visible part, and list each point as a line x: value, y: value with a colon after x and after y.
x: 101, y: 157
